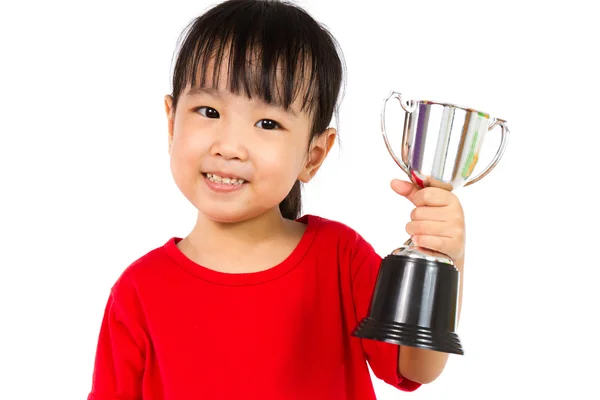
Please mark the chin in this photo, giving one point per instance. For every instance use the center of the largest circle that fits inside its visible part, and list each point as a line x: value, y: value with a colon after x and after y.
x: 234, y: 208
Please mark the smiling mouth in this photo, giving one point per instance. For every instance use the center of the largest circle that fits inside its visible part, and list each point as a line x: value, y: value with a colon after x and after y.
x: 224, y: 180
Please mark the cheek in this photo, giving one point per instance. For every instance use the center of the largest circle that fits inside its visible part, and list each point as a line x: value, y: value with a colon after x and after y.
x: 187, y: 147
x: 185, y: 160
x: 281, y: 162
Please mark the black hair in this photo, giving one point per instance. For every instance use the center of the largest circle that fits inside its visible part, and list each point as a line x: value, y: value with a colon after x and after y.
x: 261, y: 38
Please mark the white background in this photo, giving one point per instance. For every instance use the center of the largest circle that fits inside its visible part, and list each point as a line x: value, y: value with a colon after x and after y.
x: 85, y: 184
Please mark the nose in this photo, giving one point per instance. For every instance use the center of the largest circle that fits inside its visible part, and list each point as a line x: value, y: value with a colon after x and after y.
x: 229, y: 143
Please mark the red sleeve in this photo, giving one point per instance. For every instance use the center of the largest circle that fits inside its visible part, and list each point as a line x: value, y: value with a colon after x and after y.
x: 119, y: 364
x: 382, y: 357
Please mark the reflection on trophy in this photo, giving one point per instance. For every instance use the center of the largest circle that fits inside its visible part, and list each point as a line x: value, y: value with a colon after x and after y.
x: 415, y: 301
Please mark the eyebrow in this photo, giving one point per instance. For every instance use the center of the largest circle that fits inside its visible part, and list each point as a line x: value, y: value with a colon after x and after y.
x: 213, y: 92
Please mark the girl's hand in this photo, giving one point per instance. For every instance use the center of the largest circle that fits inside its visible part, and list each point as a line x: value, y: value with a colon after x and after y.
x: 437, y: 223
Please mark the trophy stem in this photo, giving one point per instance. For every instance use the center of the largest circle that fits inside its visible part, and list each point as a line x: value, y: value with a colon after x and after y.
x: 409, y: 249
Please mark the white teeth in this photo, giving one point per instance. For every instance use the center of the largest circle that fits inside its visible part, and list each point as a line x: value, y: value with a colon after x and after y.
x: 226, y: 181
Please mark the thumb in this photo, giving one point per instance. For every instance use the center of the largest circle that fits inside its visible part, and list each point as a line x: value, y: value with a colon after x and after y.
x: 404, y: 188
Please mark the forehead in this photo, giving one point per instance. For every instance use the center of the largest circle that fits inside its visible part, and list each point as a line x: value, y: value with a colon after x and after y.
x: 269, y: 85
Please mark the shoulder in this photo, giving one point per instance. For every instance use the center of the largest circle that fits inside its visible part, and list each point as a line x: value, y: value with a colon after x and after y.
x: 336, y: 230
x: 328, y: 226
x: 331, y: 234
x: 143, y: 273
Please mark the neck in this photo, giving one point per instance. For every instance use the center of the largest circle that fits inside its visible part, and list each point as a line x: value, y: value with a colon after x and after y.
x: 210, y: 235
x: 260, y: 242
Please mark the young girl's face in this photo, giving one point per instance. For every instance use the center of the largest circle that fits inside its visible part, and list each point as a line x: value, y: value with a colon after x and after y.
x: 234, y: 157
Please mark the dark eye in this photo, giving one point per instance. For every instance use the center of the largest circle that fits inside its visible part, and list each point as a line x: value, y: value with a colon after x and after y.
x: 208, y: 112
x: 267, y: 124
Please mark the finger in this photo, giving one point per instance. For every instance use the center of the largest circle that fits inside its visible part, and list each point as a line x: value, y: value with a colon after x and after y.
x: 440, y: 244
x: 442, y: 214
x: 404, y: 188
x: 435, y: 197
x: 431, y: 228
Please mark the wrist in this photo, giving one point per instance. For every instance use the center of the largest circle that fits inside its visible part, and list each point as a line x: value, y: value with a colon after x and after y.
x: 459, y: 262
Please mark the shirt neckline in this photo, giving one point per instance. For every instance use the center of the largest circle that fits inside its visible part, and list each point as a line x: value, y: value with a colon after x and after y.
x: 250, y: 278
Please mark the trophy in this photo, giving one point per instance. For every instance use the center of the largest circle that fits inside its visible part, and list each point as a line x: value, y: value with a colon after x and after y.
x: 415, y: 300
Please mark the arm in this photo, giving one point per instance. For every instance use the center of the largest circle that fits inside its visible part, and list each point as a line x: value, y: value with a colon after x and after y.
x: 382, y: 357
x: 119, y: 363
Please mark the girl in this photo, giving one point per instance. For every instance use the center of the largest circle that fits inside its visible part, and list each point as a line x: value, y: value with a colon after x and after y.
x: 258, y: 302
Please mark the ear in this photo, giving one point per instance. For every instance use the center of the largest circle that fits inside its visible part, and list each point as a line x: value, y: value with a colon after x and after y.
x: 170, y: 118
x: 318, y: 151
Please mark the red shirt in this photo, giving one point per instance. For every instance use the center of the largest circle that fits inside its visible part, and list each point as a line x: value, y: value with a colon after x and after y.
x: 174, y: 330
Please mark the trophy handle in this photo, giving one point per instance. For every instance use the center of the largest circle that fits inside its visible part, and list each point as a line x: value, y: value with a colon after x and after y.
x: 503, y: 142
x: 408, y: 107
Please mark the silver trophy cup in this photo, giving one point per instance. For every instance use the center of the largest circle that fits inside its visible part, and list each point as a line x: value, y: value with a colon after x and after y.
x: 415, y: 300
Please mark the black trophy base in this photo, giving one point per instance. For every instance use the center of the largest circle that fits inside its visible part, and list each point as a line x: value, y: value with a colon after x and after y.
x: 409, y: 335
x: 414, y: 304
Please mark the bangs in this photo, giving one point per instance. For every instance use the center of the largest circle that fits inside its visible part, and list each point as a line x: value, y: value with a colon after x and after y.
x: 273, y: 74
x: 265, y: 56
